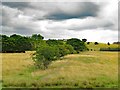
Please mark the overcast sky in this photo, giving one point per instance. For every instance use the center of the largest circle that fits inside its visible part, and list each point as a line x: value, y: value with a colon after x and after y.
x: 95, y: 21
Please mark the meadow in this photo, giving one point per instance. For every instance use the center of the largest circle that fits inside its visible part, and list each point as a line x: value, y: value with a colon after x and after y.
x: 100, y: 45
x: 90, y: 69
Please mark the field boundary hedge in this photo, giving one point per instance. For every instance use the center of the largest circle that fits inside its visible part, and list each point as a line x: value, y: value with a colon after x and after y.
x: 109, y: 49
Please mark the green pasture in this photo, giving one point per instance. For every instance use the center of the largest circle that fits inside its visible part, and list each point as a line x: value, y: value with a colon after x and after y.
x: 93, y: 47
x: 91, y: 69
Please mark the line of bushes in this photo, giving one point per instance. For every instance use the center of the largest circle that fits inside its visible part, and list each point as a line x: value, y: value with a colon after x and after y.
x: 55, y: 49
x: 45, y: 54
x: 17, y: 43
x: 110, y: 49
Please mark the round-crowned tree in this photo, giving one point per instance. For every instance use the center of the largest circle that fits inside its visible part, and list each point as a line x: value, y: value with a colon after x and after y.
x: 77, y: 44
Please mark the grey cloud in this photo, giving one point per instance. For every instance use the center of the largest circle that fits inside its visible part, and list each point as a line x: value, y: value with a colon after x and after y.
x: 119, y: 21
x: 83, y: 10
x: 9, y: 14
x: 19, y: 5
x: 85, y: 24
x: 104, y: 25
x: 54, y: 12
x: 25, y: 30
x: 57, y: 11
x: 11, y: 22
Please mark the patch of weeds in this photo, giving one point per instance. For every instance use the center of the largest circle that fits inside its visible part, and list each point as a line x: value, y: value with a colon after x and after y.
x: 34, y: 84
x: 41, y: 84
x: 76, y: 84
x: 4, y: 85
x: 47, y: 84
x: 88, y: 60
x: 22, y: 84
x: 61, y: 78
x: 21, y: 74
x: 59, y: 82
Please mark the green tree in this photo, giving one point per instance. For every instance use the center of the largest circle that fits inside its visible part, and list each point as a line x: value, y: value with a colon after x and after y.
x: 84, y: 40
x: 108, y: 43
x: 15, y: 43
x: 45, y: 55
x: 77, y: 44
x: 35, y: 40
x: 20, y: 43
x: 54, y: 42
x: 96, y: 43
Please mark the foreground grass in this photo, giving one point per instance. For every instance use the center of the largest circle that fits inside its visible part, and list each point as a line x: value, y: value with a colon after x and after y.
x: 85, y: 70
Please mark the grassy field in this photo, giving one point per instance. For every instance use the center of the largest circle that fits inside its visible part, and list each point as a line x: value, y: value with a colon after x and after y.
x: 0, y: 71
x: 85, y: 70
x: 100, y: 45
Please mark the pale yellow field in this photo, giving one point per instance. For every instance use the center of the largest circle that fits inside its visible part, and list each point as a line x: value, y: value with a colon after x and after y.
x: 0, y: 71
x: 100, y: 45
x: 84, y: 70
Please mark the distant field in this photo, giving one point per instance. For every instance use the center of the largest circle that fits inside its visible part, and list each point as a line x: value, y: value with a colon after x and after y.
x: 100, y: 45
x: 85, y: 70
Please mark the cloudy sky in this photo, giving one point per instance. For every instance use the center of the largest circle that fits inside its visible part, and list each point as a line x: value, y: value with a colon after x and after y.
x: 95, y: 21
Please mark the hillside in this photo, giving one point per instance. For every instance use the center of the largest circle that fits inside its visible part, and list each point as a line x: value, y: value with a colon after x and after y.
x: 85, y: 70
x: 94, y: 47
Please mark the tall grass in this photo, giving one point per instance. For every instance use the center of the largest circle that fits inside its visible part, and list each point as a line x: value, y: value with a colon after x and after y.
x: 0, y: 71
x: 84, y: 70
x: 100, y: 45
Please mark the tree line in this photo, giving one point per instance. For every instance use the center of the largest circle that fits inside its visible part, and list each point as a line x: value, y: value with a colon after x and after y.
x: 18, y: 43
x: 46, y: 50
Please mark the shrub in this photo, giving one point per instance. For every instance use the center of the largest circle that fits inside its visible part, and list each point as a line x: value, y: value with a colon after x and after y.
x: 77, y: 44
x: 62, y: 50
x: 45, y: 55
x: 84, y: 40
x: 88, y: 42
x: 70, y: 48
x: 108, y: 43
x: 52, y: 42
x: 96, y: 43
x: 65, y: 49
x: 110, y: 49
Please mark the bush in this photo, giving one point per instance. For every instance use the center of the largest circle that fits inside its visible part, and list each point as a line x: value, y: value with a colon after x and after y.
x: 84, y: 40
x: 70, y: 48
x: 65, y: 49
x: 45, y: 55
x: 96, y: 43
x: 77, y: 44
x: 110, y: 49
x: 52, y: 42
x: 88, y: 42
x: 53, y: 50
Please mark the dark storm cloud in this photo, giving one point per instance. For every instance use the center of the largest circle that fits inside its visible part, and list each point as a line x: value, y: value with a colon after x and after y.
x: 64, y: 16
x: 52, y: 11
x: 19, y: 5
x: 58, y: 11
x: 84, y: 9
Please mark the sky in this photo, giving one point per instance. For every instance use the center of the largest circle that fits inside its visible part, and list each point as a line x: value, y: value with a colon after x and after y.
x: 93, y: 20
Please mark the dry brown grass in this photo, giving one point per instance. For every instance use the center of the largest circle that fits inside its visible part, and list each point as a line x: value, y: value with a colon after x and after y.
x: 88, y: 69
x: 13, y: 62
